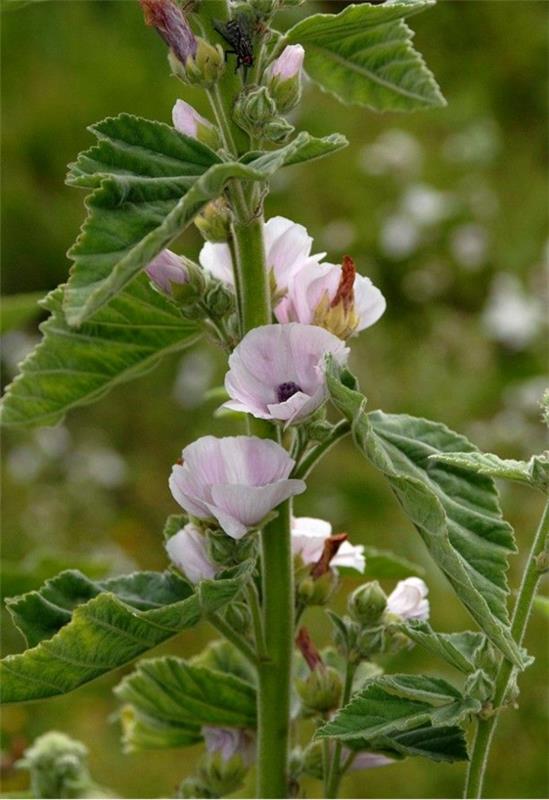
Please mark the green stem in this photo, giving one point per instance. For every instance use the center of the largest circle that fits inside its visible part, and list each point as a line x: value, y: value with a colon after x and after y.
x: 276, y: 551
x: 333, y: 778
x: 233, y: 637
x: 316, y: 453
x: 257, y: 622
x: 525, y: 598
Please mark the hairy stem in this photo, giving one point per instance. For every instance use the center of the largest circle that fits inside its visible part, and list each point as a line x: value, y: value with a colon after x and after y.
x: 257, y: 621
x: 486, y: 727
x: 333, y: 777
x: 233, y: 637
x: 316, y: 453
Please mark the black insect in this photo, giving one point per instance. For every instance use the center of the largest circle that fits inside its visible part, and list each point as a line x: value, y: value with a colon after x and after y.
x: 238, y: 34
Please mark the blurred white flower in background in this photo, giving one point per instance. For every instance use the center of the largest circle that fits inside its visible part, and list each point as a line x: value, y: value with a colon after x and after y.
x: 477, y: 144
x: 14, y: 346
x: 194, y: 377
x: 339, y: 234
x: 394, y: 151
x: 469, y: 245
x: 98, y: 463
x: 399, y: 237
x: 512, y: 316
x: 426, y: 205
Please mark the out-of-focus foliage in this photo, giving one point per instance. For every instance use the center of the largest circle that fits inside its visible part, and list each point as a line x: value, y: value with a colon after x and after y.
x: 444, y: 209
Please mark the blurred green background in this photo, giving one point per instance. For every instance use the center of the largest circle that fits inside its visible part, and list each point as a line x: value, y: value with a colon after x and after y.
x: 445, y: 210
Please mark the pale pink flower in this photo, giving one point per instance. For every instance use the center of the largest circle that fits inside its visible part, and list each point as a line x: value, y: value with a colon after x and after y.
x: 188, y: 121
x: 335, y: 297
x: 188, y: 551
x: 165, y: 269
x: 308, y: 537
x: 229, y: 742
x: 171, y: 24
x: 288, y: 64
x: 277, y: 371
x: 236, y: 480
x: 287, y: 249
x: 409, y: 599
x: 365, y: 760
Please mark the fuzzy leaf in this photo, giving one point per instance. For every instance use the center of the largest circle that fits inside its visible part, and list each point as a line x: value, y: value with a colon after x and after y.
x: 442, y: 743
x: 130, y: 147
x: 309, y: 149
x: 130, y: 221
x: 78, y: 629
x: 364, y: 55
x: 457, y: 649
x: 71, y: 367
x: 535, y: 472
x: 173, y: 699
x: 456, y: 512
x: 393, y: 704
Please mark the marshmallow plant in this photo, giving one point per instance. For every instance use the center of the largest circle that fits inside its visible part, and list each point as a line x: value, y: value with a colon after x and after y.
x: 237, y: 557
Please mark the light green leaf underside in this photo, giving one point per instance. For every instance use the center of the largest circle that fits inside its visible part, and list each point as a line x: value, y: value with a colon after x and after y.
x: 16, y: 310
x: 132, y: 147
x: 72, y: 367
x: 457, y: 649
x: 383, y: 564
x: 130, y: 220
x: 364, y: 56
x: 394, y: 704
x: 168, y: 700
x: 456, y: 512
x: 443, y: 743
x: 535, y: 472
x: 309, y: 149
x: 79, y: 629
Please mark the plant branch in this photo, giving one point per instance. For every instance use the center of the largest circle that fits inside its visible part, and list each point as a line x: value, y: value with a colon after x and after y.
x: 316, y: 453
x: 232, y: 636
x: 257, y: 621
x: 333, y: 778
x: 506, y: 672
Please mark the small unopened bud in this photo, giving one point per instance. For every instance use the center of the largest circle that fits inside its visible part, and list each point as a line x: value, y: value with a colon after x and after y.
x: 194, y: 789
x: 313, y: 760
x: 222, y: 777
x: 542, y: 562
x: 264, y: 8
x: 255, y: 112
x: 227, y: 551
x: 283, y: 78
x: 188, y: 121
x: 167, y: 272
x: 370, y: 642
x: 367, y: 603
x: 479, y: 687
x: 316, y: 591
x: 238, y: 616
x: 170, y: 22
x: 206, y: 66
x: 219, y: 301
x: 321, y: 690
x: 214, y: 221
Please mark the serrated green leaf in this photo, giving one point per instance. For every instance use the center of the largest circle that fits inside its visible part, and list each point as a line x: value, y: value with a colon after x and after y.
x: 130, y: 221
x: 73, y: 367
x: 79, y: 629
x: 457, y: 649
x: 393, y: 704
x: 131, y: 147
x: 16, y: 310
x: 381, y: 564
x: 535, y: 472
x: 456, y: 513
x: 442, y: 743
x: 222, y: 656
x: 171, y: 696
x: 364, y: 55
x: 310, y: 148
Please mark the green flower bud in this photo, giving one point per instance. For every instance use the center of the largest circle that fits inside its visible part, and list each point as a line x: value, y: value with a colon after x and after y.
x: 283, y: 78
x: 227, y: 551
x: 313, y: 761
x: 264, y: 8
x: 192, y: 788
x: 214, y: 221
x: 219, y: 301
x: 367, y: 603
x: 222, y: 777
x: 238, y: 616
x: 204, y: 68
x: 278, y: 130
x: 255, y: 112
x: 479, y: 686
x: 321, y: 690
x: 370, y: 642
x: 316, y: 592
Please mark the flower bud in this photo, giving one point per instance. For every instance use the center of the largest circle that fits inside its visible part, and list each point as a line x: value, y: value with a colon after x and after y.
x: 283, y: 78
x: 188, y: 550
x: 479, y: 687
x: 316, y: 592
x: 239, y: 617
x: 167, y: 272
x: 255, y: 112
x: 225, y: 550
x: 188, y: 121
x: 367, y: 603
x: 206, y: 66
x: 58, y: 767
x: 222, y: 777
x: 264, y: 8
x: 219, y: 301
x: 313, y: 760
x: 168, y: 19
x: 214, y: 221
x: 321, y: 690
x: 370, y: 642
x: 194, y: 789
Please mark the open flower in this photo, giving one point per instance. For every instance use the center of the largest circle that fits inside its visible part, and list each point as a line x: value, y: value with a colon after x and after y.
x: 409, y: 599
x: 188, y: 551
x: 236, y: 480
x: 336, y: 298
x: 308, y: 537
x: 188, y: 121
x: 287, y: 249
x: 277, y: 371
x: 165, y: 269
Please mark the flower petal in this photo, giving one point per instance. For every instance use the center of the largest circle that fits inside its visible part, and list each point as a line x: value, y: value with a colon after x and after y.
x: 238, y: 508
x: 217, y: 260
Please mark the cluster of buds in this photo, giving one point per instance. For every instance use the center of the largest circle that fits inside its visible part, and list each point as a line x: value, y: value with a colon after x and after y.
x: 256, y: 113
x: 320, y: 692
x: 192, y: 59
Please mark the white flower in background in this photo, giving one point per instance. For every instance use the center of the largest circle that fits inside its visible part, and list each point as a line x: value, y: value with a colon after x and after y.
x: 308, y: 537
x: 399, y: 237
x: 469, y: 246
x: 409, y: 599
x: 394, y: 151
x: 188, y: 550
x: 287, y: 248
x: 512, y: 316
x: 426, y: 205
x: 334, y: 297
